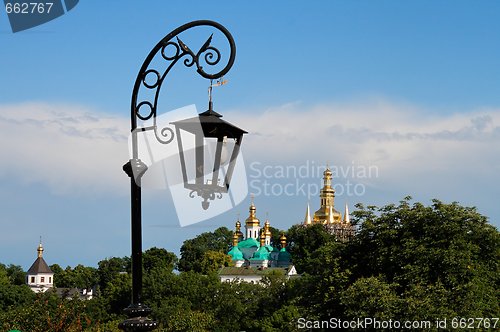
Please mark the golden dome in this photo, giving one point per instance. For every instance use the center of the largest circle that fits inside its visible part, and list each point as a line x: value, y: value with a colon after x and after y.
x: 262, y: 238
x: 252, y: 219
x: 327, y: 214
x: 235, y: 239
x: 40, y: 249
x: 267, y: 230
x: 283, y: 240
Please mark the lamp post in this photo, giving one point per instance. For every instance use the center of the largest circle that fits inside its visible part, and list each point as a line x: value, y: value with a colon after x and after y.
x: 150, y: 80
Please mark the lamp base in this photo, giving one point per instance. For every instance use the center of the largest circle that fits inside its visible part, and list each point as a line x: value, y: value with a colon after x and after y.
x: 138, y: 324
x: 138, y: 320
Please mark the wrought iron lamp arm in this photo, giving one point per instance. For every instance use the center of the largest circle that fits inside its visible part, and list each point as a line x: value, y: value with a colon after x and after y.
x: 152, y: 79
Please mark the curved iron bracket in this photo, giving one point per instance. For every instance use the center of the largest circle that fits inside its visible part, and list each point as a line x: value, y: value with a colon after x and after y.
x: 172, y: 49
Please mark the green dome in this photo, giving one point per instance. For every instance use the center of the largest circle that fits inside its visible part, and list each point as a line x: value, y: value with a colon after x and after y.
x: 236, y: 254
x: 249, y: 243
x: 270, y: 248
x: 284, y: 255
x: 261, y: 254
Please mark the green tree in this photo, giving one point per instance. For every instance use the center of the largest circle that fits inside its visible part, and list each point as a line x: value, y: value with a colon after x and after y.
x: 428, y: 302
x: 13, y: 296
x: 47, y: 312
x: 275, y: 236
x: 117, y: 293
x: 319, y: 288
x: 4, y: 277
x: 110, y: 267
x: 61, y: 279
x: 304, y: 241
x: 158, y: 258
x: 192, y: 250
x: 78, y: 277
x: 282, y: 319
x: 445, y: 247
x: 212, y: 261
x: 233, y: 301
x: 407, y: 262
x: 187, y: 320
x: 16, y: 274
x: 85, y: 277
x: 371, y: 297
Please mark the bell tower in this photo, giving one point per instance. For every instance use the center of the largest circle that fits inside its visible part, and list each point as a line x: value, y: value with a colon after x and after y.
x: 327, y: 202
x: 252, y: 224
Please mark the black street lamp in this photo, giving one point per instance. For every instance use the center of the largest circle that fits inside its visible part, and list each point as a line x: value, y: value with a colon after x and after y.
x: 207, y: 126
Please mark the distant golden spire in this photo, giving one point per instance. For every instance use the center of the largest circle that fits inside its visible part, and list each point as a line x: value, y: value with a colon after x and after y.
x: 40, y: 248
x: 307, y: 219
x: 347, y: 219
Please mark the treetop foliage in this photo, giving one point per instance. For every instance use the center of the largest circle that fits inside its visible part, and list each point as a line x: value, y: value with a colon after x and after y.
x: 408, y: 261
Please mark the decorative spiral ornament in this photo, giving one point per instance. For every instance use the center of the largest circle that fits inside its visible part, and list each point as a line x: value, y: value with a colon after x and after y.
x: 189, y: 61
x: 209, y: 55
x: 165, y: 136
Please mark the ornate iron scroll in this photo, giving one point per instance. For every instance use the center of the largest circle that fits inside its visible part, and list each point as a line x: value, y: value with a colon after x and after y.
x: 172, y: 49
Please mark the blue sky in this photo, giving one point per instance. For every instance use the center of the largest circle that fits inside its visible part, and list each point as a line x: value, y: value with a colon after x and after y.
x: 411, y: 88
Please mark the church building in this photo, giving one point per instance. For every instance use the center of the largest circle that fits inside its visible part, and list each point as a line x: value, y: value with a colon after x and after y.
x: 327, y: 215
x: 252, y: 253
x: 40, y: 277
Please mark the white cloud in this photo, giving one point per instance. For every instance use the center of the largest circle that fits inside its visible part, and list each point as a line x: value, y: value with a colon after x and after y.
x: 74, y: 149
x: 415, y: 149
x: 67, y: 147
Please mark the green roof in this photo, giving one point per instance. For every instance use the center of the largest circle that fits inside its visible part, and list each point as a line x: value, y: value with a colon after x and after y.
x: 236, y: 254
x: 262, y: 253
x: 249, y: 243
x: 270, y: 248
x: 284, y: 255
